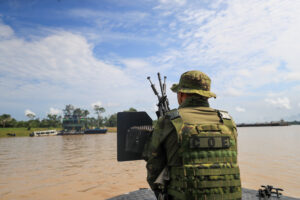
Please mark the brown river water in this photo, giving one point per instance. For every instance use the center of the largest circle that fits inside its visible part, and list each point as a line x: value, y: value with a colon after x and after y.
x: 85, y: 166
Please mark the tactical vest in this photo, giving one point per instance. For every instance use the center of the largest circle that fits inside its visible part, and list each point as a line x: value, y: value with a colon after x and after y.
x: 208, y: 150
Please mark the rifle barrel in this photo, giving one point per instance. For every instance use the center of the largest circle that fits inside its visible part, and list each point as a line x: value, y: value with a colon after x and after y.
x: 160, y: 84
x: 153, y: 87
x: 163, y: 103
x: 164, y: 85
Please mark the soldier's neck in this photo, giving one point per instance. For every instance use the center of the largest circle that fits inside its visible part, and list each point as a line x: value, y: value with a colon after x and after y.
x: 194, y: 101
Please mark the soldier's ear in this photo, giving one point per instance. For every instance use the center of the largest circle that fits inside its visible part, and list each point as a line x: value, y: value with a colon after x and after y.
x: 179, y: 94
x: 181, y: 97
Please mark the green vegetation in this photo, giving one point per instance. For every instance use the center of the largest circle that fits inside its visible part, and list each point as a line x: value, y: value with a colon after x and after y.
x: 294, y: 122
x: 6, y: 121
x: 111, y: 121
x: 99, y: 110
x: 111, y: 129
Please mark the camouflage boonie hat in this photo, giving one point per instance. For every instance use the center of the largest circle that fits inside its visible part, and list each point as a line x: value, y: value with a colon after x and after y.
x: 194, y: 82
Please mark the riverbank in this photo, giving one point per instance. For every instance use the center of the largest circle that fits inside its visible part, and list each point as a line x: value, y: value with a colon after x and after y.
x: 111, y: 129
x: 21, y: 132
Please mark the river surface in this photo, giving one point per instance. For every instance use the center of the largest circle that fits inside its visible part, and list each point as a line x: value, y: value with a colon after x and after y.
x: 85, y: 167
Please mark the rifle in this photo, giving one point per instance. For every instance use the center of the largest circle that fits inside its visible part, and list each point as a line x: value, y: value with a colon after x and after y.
x: 134, y: 129
x: 163, y: 102
x: 163, y: 108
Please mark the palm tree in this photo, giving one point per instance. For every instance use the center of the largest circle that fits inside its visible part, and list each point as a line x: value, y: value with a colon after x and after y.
x: 98, y: 111
x: 4, y: 119
x: 31, y: 116
x: 85, y: 113
x: 69, y: 109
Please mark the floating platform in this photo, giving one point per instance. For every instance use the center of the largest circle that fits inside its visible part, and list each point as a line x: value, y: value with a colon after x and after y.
x: 147, y: 194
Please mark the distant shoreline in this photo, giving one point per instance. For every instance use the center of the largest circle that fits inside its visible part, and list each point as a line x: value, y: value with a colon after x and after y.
x: 273, y: 123
x: 264, y: 124
x: 23, y: 132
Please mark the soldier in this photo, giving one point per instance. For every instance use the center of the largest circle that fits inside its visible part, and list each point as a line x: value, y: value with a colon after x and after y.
x: 192, y: 153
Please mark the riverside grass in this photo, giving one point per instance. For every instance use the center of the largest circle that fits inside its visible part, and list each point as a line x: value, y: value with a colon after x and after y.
x: 111, y: 129
x: 25, y: 132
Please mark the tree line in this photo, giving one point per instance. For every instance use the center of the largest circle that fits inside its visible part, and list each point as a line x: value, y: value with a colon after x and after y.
x: 6, y: 121
x: 55, y: 120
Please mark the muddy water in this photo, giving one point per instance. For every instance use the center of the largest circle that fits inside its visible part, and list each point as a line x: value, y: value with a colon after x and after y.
x: 270, y: 155
x: 85, y: 166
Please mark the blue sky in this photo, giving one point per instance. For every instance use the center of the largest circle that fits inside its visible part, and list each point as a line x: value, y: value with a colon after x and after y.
x: 54, y: 53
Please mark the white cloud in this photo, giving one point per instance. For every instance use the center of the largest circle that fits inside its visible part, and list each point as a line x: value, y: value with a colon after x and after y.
x: 55, y: 111
x: 232, y: 92
x: 62, y: 57
x: 244, y: 72
x: 154, y: 108
x: 29, y: 112
x: 178, y: 2
x: 61, y: 67
x: 240, y: 109
x: 244, y: 47
x: 139, y: 68
x: 241, y: 42
x: 112, y: 104
x: 98, y: 103
x: 275, y: 94
x: 5, y: 31
x: 280, y: 102
x: 108, y: 20
x: 293, y: 76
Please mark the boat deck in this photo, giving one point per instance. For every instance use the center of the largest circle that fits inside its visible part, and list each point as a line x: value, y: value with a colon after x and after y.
x: 147, y: 194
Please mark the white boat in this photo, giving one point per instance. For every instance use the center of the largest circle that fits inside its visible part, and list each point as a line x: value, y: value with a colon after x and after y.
x: 44, y: 133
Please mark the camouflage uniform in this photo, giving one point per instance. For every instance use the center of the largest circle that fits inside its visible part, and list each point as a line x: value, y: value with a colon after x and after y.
x: 197, y: 144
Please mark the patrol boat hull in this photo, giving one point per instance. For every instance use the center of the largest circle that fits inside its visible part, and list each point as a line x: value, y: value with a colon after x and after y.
x: 143, y: 194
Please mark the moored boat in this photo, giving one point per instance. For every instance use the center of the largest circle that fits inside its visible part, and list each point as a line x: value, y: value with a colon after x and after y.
x: 71, y: 132
x: 95, y: 131
x: 44, y: 133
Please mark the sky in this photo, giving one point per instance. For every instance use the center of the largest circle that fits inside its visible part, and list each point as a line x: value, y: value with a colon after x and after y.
x: 59, y: 52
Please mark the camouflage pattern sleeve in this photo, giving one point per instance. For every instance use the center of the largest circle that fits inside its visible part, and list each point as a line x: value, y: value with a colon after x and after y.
x: 156, y: 154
